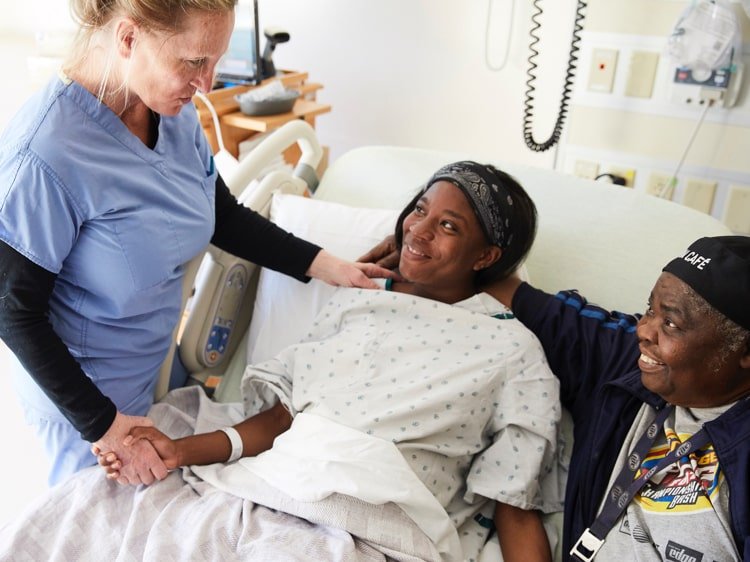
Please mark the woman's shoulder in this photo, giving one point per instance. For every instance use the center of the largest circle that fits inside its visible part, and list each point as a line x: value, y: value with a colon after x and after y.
x: 29, y: 120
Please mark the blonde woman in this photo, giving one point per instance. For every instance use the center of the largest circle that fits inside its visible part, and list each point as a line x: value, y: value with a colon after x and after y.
x: 107, y: 188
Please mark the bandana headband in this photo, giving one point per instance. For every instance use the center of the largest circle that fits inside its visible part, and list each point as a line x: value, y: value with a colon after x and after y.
x: 492, y: 203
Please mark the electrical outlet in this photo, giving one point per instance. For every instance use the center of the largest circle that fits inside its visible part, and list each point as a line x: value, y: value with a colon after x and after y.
x: 660, y: 185
x: 737, y: 213
x: 699, y: 195
x: 627, y: 173
x: 602, y: 70
x: 586, y: 169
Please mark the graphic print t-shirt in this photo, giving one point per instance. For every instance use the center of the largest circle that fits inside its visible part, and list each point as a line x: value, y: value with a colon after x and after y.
x: 682, y: 513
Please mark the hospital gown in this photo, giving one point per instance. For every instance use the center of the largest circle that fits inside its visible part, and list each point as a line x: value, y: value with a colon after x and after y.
x: 467, y: 398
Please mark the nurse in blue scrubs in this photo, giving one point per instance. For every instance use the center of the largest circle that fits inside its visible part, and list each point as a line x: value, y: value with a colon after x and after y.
x: 107, y: 189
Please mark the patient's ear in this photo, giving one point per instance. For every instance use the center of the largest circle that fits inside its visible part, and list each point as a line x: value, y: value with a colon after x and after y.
x: 489, y: 256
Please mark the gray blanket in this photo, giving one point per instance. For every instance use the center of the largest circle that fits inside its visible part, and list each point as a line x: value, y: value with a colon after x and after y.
x: 184, y: 518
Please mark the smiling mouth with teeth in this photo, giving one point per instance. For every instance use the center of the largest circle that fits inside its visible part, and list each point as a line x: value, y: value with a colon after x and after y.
x: 650, y: 361
x: 416, y: 252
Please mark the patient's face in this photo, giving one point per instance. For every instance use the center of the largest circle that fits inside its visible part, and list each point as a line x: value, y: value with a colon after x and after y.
x: 681, y: 357
x: 167, y: 69
x: 443, y: 244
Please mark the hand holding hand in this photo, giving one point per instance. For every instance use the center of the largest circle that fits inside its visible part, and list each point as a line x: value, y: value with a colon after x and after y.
x: 385, y: 254
x: 166, y: 448
x: 338, y: 272
x: 139, y: 463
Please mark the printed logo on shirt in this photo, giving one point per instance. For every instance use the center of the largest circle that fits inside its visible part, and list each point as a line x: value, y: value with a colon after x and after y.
x: 685, y: 487
x: 677, y: 553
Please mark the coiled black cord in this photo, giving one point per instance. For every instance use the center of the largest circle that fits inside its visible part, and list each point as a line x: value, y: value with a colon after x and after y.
x: 528, y: 104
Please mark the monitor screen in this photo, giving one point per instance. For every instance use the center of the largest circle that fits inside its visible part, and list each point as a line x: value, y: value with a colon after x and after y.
x: 241, y: 63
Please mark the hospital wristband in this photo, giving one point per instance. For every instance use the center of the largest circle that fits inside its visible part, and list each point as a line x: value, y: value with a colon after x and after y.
x: 236, y: 441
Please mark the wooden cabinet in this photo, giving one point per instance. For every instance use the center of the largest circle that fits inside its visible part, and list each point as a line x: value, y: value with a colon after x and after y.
x: 237, y: 127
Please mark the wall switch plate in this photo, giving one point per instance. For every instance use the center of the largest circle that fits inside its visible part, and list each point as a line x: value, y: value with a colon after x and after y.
x: 602, y: 70
x: 641, y: 74
x: 586, y: 169
x: 660, y: 185
x: 737, y: 213
x: 699, y: 195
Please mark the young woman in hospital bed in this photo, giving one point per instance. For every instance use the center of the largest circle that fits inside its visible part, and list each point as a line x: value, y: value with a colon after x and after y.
x: 405, y: 415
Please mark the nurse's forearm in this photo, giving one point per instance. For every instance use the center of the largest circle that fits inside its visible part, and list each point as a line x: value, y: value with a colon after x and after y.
x: 25, y: 289
x: 246, y: 234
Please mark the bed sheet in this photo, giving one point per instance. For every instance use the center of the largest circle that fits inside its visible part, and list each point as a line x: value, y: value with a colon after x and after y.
x: 88, y: 517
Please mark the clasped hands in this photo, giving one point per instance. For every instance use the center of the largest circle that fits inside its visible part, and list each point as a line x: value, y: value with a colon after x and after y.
x: 133, y: 451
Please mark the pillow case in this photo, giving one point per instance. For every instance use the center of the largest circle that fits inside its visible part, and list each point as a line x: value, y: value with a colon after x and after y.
x: 284, y: 307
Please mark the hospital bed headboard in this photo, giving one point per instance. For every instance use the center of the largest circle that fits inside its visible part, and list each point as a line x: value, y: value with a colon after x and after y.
x: 608, y: 241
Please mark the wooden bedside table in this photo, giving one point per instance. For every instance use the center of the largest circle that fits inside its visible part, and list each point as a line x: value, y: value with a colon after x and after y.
x: 237, y: 127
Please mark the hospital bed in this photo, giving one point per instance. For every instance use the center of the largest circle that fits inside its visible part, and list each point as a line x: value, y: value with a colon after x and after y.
x: 610, y: 242
x: 607, y: 241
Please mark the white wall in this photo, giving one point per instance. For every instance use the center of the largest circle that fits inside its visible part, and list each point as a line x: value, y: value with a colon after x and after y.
x: 412, y: 72
x: 407, y: 72
x: 23, y: 471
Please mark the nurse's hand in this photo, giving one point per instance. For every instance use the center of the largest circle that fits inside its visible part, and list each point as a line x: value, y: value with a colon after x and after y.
x: 342, y: 273
x: 140, y: 463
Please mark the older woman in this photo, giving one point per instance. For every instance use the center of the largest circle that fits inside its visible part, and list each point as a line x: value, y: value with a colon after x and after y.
x: 660, y: 404
x: 107, y: 189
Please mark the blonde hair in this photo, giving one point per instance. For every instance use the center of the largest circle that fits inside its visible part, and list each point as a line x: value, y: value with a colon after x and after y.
x: 93, y: 16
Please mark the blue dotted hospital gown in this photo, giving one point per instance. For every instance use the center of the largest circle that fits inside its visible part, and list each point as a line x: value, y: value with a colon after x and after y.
x: 468, y: 399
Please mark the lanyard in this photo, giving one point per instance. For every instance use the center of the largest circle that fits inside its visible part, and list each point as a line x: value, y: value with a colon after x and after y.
x: 625, y: 487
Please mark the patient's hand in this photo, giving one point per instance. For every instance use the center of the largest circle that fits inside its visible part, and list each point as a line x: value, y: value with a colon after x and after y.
x: 140, y: 462
x: 165, y: 447
x: 385, y: 254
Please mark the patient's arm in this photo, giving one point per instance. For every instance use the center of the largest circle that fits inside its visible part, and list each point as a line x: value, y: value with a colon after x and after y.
x: 385, y: 254
x: 504, y: 289
x: 257, y: 433
x: 521, y: 534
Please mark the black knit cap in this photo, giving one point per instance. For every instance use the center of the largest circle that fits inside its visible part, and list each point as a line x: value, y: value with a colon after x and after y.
x: 718, y: 269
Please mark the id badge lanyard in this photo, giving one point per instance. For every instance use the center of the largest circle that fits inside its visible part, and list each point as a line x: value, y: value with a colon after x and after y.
x: 625, y: 487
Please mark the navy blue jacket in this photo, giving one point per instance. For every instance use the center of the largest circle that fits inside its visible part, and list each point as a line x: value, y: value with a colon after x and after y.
x: 595, y: 354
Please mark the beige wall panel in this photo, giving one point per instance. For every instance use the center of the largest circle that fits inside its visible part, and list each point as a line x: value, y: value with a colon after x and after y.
x: 628, y: 16
x: 644, y: 17
x: 653, y: 136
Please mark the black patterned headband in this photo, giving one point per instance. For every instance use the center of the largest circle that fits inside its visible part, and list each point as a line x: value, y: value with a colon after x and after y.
x: 492, y: 203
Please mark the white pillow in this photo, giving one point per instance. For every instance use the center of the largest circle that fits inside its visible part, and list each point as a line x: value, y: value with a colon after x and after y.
x: 284, y: 307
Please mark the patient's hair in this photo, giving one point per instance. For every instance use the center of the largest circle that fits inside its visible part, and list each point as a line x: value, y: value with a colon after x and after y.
x: 523, y: 221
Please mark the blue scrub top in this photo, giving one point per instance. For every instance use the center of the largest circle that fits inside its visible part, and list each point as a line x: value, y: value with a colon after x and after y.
x: 83, y: 197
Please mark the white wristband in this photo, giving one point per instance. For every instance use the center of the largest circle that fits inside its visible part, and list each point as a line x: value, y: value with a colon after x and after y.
x: 236, y: 441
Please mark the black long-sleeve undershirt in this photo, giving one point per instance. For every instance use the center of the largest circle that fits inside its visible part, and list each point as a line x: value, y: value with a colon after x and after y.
x: 26, y: 288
